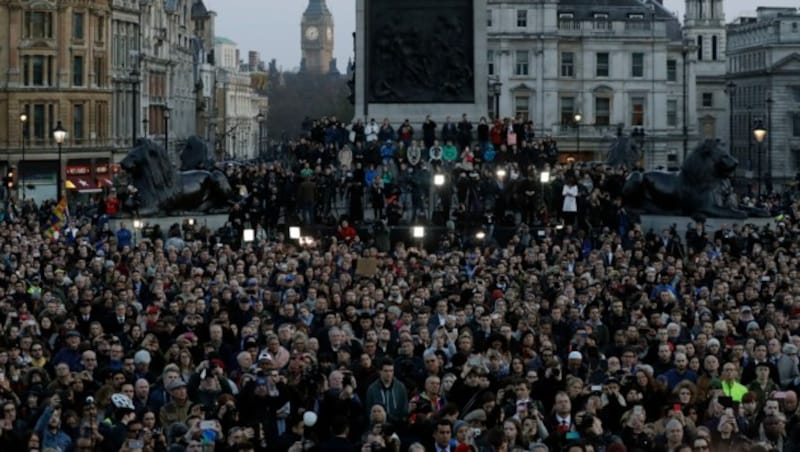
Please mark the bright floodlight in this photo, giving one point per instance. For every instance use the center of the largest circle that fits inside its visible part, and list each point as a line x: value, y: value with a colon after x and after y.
x: 438, y: 180
x: 191, y: 221
x: 544, y: 177
x: 501, y: 173
x: 249, y: 235
x: 480, y: 235
x: 418, y: 232
x: 294, y: 232
x: 578, y: 117
x: 137, y: 224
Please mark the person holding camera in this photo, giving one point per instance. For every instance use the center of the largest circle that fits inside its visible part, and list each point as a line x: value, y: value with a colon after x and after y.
x: 341, y: 399
x: 49, y: 427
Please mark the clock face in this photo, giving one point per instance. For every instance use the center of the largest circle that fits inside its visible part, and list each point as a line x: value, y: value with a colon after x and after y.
x: 312, y: 33
x: 329, y: 33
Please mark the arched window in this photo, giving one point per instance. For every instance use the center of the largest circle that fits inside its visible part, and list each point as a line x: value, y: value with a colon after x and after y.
x: 714, y: 48
x: 700, y: 48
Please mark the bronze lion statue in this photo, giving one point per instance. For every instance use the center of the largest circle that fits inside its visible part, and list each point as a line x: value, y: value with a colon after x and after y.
x: 162, y: 188
x: 694, y: 191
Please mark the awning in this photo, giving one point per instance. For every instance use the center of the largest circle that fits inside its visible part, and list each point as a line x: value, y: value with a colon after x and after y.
x: 82, y: 185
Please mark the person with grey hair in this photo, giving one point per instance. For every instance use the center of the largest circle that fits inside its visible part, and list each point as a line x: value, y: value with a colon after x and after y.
x: 787, y: 367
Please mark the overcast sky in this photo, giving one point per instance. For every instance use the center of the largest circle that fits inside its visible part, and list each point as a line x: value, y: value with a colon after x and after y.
x: 272, y: 27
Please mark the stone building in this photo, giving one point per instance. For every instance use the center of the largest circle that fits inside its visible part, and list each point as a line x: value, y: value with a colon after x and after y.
x: 618, y: 64
x: 55, y: 61
x: 763, y: 58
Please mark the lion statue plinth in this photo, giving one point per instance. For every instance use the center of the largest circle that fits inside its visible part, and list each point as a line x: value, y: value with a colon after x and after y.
x: 162, y: 188
x: 691, y: 192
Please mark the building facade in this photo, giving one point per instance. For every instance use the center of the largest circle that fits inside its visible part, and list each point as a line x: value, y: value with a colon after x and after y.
x: 316, y: 35
x: 236, y: 105
x: 704, y: 26
x: 622, y: 64
x: 55, y: 66
x: 763, y: 59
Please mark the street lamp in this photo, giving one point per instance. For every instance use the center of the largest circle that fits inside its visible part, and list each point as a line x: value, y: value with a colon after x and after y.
x: 759, y: 133
x: 166, y: 128
x: 59, y: 134
x: 578, y: 117
x: 134, y: 89
x: 730, y: 88
x: 23, y: 119
x: 260, y: 119
x: 144, y: 126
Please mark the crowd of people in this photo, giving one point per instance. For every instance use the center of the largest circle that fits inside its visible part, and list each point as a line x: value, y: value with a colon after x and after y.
x: 582, y: 332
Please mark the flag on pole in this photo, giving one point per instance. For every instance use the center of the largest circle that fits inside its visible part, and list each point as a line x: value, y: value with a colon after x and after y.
x: 58, y: 219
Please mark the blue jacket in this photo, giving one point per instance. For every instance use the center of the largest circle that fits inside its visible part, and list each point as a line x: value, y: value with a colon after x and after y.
x: 673, y: 377
x: 59, y: 440
x: 71, y: 357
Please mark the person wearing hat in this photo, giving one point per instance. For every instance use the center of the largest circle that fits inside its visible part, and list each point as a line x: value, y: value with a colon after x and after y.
x: 759, y: 356
x: 70, y: 354
x: 177, y: 409
x: 763, y: 385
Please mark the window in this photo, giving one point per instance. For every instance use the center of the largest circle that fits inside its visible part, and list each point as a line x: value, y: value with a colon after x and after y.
x: 77, y: 122
x: 38, y: 122
x: 602, y: 111
x: 77, y: 71
x: 567, y: 109
x: 700, y: 48
x: 637, y: 111
x: 38, y: 24
x: 637, y: 64
x: 99, y: 72
x: 521, y: 107
x: 490, y: 61
x: 714, y: 48
x: 101, y: 30
x: 101, y: 115
x: 567, y: 64
x: 602, y: 64
x: 566, y: 21
x: 708, y: 99
x: 38, y: 70
x: 636, y: 22
x: 522, y: 63
x: 672, y: 71
x: 488, y: 18
x: 77, y: 26
x: 672, y: 113
x: 601, y: 21
x: 796, y: 93
x: 796, y: 125
x: 522, y: 17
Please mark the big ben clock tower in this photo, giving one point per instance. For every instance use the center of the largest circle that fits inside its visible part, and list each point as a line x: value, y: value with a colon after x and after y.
x: 316, y: 29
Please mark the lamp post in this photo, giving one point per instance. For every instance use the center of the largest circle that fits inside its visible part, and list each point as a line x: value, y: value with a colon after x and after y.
x: 578, y: 117
x: 730, y: 88
x: 145, y: 130
x: 135, y: 92
x: 260, y: 119
x: 166, y: 129
x: 23, y: 119
x: 494, y: 87
x: 59, y: 134
x: 759, y: 133
x: 769, y: 138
